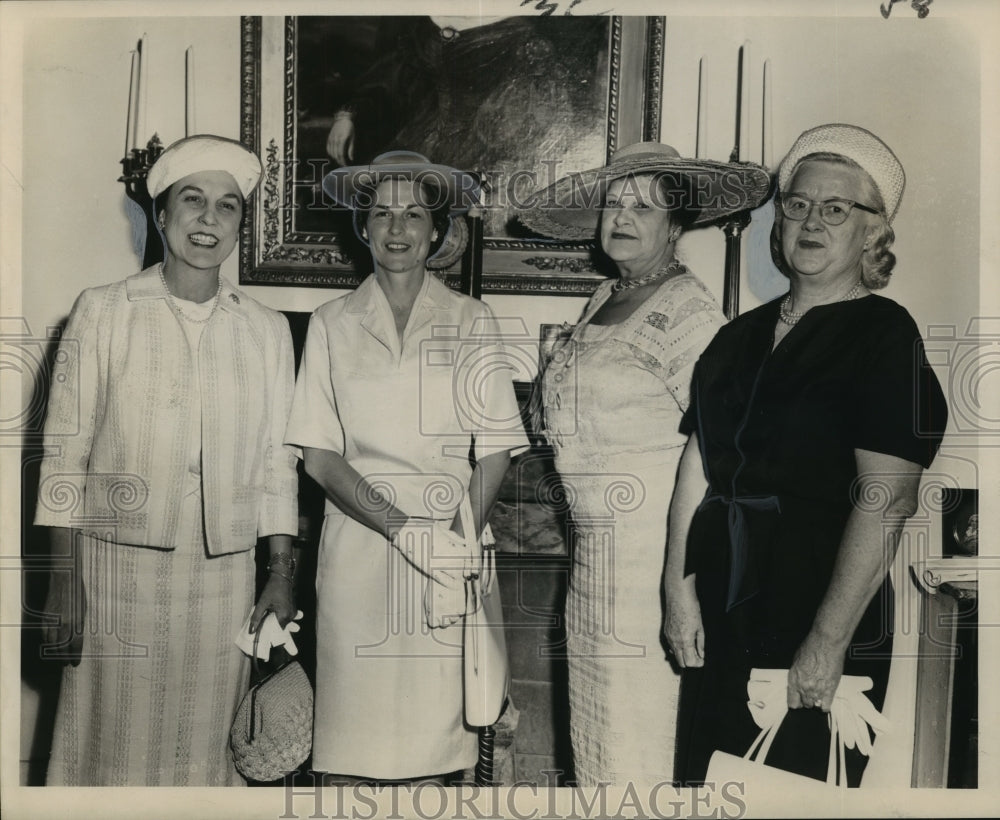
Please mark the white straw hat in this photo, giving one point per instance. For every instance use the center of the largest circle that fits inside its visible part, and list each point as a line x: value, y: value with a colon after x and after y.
x: 867, y: 150
x: 569, y: 209
x: 457, y: 189
x: 352, y: 186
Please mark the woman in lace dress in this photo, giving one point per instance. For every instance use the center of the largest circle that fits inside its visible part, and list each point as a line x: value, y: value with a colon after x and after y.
x: 613, y: 394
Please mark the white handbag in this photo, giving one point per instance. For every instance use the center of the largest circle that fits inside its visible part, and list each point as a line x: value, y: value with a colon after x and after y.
x: 850, y: 716
x: 487, y: 666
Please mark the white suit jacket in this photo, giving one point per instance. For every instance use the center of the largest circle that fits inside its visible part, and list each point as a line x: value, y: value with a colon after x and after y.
x: 118, y: 431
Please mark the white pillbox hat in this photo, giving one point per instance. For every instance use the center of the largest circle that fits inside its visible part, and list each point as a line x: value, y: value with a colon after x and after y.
x: 204, y: 152
x: 857, y: 144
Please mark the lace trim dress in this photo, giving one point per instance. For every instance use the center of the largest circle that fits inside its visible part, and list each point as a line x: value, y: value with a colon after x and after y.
x: 613, y: 400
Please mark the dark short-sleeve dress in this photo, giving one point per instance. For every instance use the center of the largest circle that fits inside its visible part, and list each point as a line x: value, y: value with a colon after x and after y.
x: 778, y: 431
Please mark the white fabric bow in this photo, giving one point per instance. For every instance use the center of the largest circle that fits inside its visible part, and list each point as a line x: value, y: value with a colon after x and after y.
x: 271, y: 635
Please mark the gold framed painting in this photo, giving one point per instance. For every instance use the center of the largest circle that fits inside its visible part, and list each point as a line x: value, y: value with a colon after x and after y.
x: 518, y: 100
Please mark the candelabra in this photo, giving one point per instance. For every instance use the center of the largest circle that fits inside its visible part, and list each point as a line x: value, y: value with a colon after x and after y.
x: 734, y: 226
x: 138, y: 160
x: 135, y: 167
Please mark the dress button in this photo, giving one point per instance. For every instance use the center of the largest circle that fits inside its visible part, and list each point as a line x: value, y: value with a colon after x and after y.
x: 558, y: 377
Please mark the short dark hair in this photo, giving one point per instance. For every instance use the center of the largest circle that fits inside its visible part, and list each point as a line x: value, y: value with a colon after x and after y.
x: 680, y: 189
x: 160, y: 203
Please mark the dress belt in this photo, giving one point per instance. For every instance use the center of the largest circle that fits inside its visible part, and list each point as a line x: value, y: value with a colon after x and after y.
x: 742, y: 584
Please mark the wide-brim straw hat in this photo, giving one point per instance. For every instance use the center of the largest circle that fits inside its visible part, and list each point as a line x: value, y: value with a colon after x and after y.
x: 570, y: 208
x: 351, y: 187
x: 204, y: 152
x: 855, y: 143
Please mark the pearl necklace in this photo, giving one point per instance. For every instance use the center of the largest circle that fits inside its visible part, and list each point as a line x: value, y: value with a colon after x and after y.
x: 177, y: 308
x: 790, y: 317
x: 627, y: 284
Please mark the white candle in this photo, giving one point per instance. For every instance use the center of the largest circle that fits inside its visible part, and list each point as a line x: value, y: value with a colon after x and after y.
x: 130, y: 114
x: 189, y: 128
x: 745, y: 152
x: 701, y: 135
x: 142, y: 81
x: 767, y: 124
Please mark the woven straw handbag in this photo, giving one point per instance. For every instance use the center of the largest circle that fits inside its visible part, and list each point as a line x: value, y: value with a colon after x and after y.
x: 272, y: 731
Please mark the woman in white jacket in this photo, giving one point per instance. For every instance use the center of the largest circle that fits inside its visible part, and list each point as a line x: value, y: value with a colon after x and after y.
x: 164, y: 464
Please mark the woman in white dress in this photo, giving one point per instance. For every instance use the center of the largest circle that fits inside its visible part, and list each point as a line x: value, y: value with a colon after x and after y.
x: 614, y: 392
x: 398, y: 385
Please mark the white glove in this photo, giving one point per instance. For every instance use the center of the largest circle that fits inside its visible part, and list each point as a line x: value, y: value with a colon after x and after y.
x: 444, y: 557
x: 436, y: 551
x: 854, y: 713
x: 851, y: 709
x: 271, y: 635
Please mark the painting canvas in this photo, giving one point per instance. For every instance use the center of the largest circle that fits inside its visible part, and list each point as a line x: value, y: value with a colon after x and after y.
x: 517, y: 100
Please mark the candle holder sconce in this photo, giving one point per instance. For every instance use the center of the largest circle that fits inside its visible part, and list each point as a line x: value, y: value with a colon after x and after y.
x: 733, y: 229
x: 734, y: 226
x: 135, y: 167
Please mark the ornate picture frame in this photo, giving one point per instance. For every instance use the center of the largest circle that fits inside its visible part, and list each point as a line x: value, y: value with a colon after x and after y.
x: 278, y: 250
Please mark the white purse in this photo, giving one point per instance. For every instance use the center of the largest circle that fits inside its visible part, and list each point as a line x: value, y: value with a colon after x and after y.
x: 850, y: 716
x: 487, y: 666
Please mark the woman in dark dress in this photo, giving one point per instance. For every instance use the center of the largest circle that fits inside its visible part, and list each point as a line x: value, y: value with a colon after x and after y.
x: 812, y: 418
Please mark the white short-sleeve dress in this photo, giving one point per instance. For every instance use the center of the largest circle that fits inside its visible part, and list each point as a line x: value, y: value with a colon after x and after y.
x: 406, y: 414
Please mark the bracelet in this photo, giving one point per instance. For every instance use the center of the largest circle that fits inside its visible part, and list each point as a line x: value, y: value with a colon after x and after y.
x: 281, y: 575
x: 345, y: 112
x: 281, y: 558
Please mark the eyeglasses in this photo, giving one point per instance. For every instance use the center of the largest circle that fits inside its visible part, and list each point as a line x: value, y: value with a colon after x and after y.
x: 831, y: 211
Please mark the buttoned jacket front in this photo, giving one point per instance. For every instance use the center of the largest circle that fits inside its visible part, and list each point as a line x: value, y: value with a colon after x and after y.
x: 119, y: 425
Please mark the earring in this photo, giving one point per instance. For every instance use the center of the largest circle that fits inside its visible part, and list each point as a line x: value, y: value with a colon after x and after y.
x: 434, y: 236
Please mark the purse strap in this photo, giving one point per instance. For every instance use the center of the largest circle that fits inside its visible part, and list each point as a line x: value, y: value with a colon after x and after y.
x: 254, y: 665
x: 835, y: 776
x: 256, y: 685
x: 260, y: 677
x: 487, y: 567
x: 838, y: 753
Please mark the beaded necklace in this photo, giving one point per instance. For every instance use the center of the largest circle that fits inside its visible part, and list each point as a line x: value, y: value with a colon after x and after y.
x: 790, y: 317
x: 178, y: 309
x: 627, y: 284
